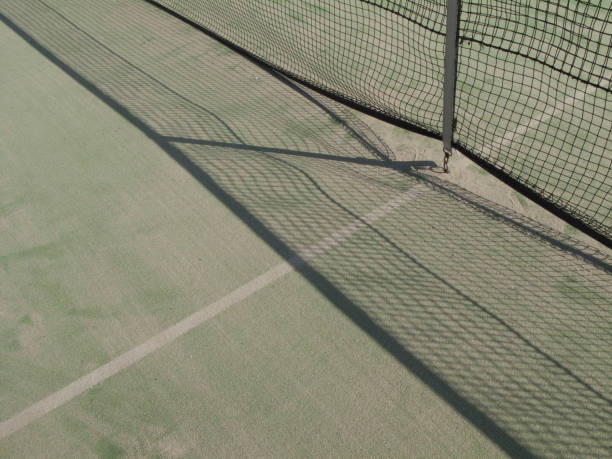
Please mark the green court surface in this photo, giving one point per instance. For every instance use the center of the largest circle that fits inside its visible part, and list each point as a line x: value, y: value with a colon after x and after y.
x: 150, y: 175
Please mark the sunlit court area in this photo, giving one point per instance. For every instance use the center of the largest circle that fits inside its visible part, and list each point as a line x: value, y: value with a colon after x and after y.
x: 324, y: 228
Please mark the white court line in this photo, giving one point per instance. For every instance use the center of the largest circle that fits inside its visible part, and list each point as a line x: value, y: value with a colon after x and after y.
x: 547, y: 115
x: 167, y: 336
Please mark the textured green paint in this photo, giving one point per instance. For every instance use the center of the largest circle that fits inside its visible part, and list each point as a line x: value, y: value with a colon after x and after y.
x: 106, y: 449
x: 523, y: 202
x: 110, y: 242
x: 94, y: 217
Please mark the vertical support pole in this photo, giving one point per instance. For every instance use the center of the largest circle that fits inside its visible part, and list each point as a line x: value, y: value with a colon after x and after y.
x: 450, y: 78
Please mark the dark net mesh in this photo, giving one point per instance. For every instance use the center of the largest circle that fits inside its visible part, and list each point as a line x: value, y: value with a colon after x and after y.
x: 533, y: 93
x: 533, y: 98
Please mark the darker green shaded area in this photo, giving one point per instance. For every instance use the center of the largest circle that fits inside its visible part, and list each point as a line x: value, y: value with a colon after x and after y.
x: 106, y: 449
x: 49, y: 251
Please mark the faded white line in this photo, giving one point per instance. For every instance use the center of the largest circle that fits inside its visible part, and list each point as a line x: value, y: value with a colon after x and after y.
x: 553, y: 110
x: 167, y: 336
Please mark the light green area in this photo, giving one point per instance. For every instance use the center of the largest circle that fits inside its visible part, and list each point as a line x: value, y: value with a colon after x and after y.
x: 522, y: 201
x: 102, y: 232
x: 449, y: 327
x: 477, y: 169
x: 569, y: 229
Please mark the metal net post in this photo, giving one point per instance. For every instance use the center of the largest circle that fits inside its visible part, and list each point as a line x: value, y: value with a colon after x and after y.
x: 450, y: 78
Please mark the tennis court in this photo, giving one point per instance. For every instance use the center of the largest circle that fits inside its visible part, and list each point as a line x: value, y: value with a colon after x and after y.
x: 202, y: 257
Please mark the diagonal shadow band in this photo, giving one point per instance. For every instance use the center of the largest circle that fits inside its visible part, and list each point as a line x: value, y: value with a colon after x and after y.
x: 478, y: 415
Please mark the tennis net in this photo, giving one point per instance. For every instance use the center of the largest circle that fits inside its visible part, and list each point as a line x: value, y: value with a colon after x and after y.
x: 533, y: 96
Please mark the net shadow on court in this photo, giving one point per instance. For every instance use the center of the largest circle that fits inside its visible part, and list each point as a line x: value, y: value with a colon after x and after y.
x: 506, y: 320
x: 531, y: 100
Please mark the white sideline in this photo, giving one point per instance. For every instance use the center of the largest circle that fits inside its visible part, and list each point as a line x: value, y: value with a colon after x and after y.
x: 167, y: 336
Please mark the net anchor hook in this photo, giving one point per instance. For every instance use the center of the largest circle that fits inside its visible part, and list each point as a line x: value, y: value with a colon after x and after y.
x: 447, y: 154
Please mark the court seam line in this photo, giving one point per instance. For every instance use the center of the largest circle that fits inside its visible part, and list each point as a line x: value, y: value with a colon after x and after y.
x: 172, y: 333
